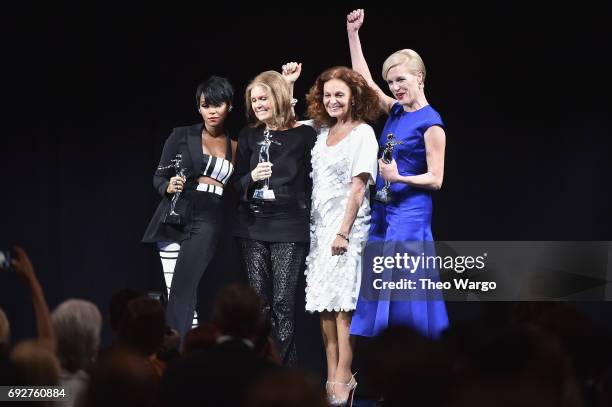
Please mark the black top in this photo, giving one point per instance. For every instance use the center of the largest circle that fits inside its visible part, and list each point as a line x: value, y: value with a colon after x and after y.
x: 187, y: 141
x: 287, y: 219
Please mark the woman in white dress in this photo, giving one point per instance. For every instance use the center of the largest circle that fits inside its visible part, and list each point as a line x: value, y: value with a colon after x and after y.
x: 344, y: 164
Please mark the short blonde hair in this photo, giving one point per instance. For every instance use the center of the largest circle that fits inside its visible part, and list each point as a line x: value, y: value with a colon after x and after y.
x: 408, y: 57
x: 280, y: 96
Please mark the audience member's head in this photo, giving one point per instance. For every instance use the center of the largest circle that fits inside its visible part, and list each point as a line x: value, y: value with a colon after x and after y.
x: 586, y: 343
x: 77, y: 325
x: 516, y: 365
x: 201, y: 338
x: 286, y: 388
x: 118, y: 304
x: 142, y: 326
x: 122, y: 378
x: 5, y: 332
x: 237, y: 311
x: 604, y: 389
x: 8, y: 372
x: 406, y: 368
x: 35, y: 364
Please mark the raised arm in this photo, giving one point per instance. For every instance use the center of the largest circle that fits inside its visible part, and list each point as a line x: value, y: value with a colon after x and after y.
x: 24, y: 269
x: 354, y: 21
x: 291, y: 72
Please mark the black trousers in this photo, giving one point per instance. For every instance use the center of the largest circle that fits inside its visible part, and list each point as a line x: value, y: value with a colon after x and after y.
x: 193, y: 259
x: 273, y: 270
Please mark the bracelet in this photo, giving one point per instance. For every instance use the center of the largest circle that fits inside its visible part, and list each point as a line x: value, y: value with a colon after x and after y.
x: 345, y: 237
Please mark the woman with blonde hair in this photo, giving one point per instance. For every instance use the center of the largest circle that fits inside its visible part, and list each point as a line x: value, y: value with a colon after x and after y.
x: 416, y: 169
x: 274, y: 188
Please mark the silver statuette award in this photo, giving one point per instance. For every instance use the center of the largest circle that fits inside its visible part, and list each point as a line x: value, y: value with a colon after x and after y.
x: 264, y: 192
x: 384, y: 195
x: 172, y: 217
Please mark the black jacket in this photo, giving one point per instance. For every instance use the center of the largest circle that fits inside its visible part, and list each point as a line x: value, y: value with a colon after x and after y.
x: 187, y: 141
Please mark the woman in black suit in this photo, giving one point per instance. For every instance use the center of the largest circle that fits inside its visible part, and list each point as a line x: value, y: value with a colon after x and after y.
x: 205, y: 153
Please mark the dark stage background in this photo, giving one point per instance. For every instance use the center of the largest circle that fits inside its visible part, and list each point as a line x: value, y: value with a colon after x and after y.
x: 93, y: 93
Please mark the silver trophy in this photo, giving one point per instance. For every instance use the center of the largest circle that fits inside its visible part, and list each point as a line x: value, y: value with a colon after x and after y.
x: 265, y: 193
x: 384, y: 195
x: 172, y: 217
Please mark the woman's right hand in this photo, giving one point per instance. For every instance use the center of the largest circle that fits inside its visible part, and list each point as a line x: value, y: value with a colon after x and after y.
x: 262, y: 171
x: 354, y: 20
x: 176, y: 184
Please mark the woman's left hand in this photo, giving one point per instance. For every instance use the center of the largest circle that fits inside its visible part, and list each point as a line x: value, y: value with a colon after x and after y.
x: 388, y: 171
x: 339, y: 246
x: 22, y: 265
x: 291, y: 71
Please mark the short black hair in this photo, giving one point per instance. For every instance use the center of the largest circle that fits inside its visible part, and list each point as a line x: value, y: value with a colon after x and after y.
x: 216, y: 91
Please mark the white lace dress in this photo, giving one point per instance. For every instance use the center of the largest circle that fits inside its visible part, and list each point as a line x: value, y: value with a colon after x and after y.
x: 332, y: 282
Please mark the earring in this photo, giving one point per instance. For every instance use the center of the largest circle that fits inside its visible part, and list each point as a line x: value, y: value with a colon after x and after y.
x: 230, y: 108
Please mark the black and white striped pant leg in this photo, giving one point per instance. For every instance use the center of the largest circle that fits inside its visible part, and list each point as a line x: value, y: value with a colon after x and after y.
x: 168, y: 253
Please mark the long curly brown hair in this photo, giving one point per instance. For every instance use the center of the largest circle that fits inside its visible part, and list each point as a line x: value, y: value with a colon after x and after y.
x: 364, y: 100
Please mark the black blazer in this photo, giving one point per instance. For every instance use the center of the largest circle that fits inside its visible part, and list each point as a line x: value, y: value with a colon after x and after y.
x: 187, y: 141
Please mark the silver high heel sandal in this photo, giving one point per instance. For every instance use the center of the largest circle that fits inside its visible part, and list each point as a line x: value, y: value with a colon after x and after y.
x: 351, y: 385
x: 331, y: 398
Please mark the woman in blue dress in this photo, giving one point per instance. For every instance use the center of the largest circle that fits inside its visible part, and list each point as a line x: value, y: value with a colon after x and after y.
x: 417, y: 169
